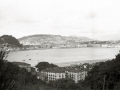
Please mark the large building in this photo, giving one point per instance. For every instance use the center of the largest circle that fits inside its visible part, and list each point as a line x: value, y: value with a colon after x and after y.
x: 53, y: 74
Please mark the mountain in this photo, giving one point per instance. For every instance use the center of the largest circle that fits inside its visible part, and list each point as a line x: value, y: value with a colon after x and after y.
x: 51, y: 39
x: 10, y: 40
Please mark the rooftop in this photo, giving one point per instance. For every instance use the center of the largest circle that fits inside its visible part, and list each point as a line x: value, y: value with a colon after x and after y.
x: 62, y: 70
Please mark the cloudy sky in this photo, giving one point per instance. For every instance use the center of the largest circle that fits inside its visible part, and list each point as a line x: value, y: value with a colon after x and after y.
x: 96, y: 19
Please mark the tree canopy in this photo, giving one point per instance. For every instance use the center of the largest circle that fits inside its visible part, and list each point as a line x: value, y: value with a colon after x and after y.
x: 45, y: 65
x: 108, y: 71
x: 10, y: 40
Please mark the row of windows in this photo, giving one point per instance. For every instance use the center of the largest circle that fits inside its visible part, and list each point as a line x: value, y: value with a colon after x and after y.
x: 63, y: 75
x: 52, y: 75
x: 48, y: 73
x: 56, y: 76
x: 53, y: 79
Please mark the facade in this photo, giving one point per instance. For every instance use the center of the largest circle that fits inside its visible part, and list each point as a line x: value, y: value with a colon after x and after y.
x: 62, y: 73
x: 76, y: 76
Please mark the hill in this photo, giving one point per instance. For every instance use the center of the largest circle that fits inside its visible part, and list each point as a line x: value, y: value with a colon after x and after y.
x: 51, y: 39
x: 10, y: 40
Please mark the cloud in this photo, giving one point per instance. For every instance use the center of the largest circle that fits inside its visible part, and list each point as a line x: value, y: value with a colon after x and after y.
x: 92, y: 15
x: 25, y: 21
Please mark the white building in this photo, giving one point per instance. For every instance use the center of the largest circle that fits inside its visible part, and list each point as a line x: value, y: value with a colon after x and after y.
x: 61, y: 73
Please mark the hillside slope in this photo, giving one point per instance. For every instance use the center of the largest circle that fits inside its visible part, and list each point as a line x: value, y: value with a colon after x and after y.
x: 50, y: 39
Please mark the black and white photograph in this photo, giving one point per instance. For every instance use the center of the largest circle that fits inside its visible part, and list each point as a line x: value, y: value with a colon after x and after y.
x: 59, y: 44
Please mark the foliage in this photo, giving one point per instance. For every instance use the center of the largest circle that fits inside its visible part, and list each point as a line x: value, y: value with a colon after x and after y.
x: 110, y: 70
x: 64, y: 84
x: 10, y: 40
x: 45, y: 65
x: 15, y: 78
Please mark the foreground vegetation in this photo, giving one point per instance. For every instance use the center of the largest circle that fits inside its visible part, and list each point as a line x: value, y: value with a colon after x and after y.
x: 14, y: 78
x: 104, y: 75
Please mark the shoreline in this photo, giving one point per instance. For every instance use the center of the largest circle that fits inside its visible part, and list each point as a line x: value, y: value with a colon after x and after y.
x: 60, y: 48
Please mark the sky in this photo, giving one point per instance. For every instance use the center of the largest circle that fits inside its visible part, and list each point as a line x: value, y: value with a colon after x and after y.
x: 95, y: 19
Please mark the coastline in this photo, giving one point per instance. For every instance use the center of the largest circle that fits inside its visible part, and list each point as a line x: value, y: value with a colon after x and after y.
x: 59, y: 48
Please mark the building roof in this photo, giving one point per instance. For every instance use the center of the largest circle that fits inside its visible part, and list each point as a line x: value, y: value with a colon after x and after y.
x: 62, y: 70
x: 54, y: 70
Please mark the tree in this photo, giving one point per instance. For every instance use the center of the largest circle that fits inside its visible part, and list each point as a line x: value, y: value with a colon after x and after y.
x: 63, y: 84
x: 10, y: 40
x: 13, y: 77
x: 109, y: 69
x: 45, y: 65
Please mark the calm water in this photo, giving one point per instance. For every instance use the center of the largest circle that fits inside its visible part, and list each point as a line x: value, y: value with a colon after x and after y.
x: 63, y: 55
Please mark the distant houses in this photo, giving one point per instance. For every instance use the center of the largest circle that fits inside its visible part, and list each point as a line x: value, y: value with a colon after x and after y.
x: 68, y: 45
x: 65, y: 45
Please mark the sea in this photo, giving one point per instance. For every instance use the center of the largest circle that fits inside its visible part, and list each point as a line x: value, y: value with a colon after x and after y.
x: 60, y: 56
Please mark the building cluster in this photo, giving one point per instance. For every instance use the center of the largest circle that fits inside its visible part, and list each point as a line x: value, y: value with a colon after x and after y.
x: 72, y: 45
x: 55, y: 46
x: 53, y: 74
x: 79, y: 45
